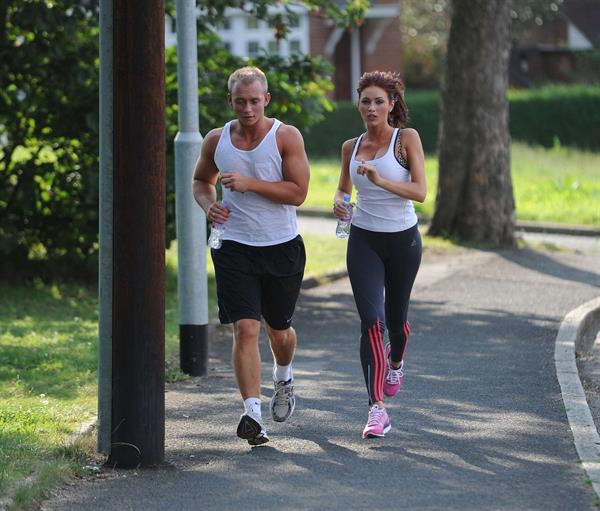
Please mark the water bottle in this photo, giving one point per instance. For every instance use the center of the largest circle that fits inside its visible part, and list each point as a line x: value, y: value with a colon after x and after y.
x: 216, y: 233
x: 342, y: 229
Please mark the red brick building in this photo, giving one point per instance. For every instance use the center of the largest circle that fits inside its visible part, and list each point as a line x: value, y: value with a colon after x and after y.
x: 374, y: 45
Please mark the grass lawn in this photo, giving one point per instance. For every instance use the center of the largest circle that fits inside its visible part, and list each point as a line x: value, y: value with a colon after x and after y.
x: 48, y: 366
x: 550, y: 185
x: 48, y: 348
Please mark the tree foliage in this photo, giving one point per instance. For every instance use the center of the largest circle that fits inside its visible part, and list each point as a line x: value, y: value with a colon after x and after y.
x: 48, y: 136
x: 425, y: 25
x: 424, y: 28
x: 49, y: 120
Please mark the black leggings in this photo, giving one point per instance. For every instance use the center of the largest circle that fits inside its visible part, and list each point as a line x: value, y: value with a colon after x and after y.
x: 379, y: 261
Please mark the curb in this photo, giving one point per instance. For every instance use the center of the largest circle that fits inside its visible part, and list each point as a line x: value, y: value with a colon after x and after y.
x: 523, y: 225
x: 577, y: 333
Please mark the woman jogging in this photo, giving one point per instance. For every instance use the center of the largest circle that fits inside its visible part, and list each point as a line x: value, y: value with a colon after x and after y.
x: 386, y: 166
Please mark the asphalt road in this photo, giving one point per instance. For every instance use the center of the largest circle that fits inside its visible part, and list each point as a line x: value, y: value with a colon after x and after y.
x: 479, y: 423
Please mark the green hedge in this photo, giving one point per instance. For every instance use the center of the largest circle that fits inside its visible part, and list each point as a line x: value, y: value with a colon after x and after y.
x: 568, y: 114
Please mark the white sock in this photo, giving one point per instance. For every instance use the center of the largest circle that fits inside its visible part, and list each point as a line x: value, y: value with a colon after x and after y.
x: 252, y: 404
x: 282, y: 373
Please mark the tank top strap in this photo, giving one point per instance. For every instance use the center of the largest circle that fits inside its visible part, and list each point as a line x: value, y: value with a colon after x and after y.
x: 392, y: 142
x: 226, y: 133
x: 355, y: 148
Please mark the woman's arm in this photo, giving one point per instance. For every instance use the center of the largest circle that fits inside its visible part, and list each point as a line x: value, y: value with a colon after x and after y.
x: 345, y: 182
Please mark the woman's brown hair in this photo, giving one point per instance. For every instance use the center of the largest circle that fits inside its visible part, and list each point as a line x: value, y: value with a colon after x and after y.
x: 394, y: 86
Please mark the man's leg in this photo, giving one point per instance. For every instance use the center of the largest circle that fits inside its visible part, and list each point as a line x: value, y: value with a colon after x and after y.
x: 246, y: 357
x: 246, y: 363
x: 284, y: 268
x: 283, y: 346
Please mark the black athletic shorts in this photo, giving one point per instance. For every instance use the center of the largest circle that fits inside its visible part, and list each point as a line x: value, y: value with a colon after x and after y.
x: 259, y: 281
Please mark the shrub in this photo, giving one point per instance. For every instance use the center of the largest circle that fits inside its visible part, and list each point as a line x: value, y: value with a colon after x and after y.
x: 49, y: 130
x: 569, y: 114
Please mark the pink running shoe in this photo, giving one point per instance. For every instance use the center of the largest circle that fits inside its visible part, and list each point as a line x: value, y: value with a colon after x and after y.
x: 394, y: 377
x: 378, y: 423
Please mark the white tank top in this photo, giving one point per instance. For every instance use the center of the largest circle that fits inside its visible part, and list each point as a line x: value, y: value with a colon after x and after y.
x: 378, y: 209
x: 254, y: 219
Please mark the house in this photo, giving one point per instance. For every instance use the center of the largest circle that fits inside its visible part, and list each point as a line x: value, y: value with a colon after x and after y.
x: 374, y: 45
x: 549, y: 52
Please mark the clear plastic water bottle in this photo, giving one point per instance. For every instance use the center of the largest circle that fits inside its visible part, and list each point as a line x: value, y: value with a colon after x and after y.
x: 342, y: 229
x: 216, y: 233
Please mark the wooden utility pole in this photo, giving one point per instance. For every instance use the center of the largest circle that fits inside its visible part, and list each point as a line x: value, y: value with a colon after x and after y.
x: 138, y: 312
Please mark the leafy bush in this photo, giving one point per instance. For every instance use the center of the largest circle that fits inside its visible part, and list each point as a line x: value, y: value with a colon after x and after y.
x: 49, y: 139
x: 49, y: 130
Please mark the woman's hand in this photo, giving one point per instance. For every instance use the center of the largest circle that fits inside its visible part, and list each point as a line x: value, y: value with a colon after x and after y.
x: 340, y: 210
x: 370, y: 171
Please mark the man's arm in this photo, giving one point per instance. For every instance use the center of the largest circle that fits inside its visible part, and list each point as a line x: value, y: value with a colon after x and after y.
x: 206, y: 174
x: 295, y: 168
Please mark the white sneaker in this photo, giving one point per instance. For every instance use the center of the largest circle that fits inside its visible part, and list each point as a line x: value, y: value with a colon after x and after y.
x: 252, y: 428
x: 283, y: 401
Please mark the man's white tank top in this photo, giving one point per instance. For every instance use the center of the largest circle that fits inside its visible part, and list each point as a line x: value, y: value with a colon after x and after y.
x: 254, y: 219
x: 378, y: 209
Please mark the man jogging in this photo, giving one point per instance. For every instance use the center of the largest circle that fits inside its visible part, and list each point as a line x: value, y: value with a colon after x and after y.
x: 264, y: 175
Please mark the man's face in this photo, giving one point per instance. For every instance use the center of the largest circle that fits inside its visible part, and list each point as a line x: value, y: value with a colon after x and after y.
x: 248, y: 101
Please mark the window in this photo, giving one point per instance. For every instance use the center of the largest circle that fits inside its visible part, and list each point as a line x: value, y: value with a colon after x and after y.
x: 227, y: 46
x: 253, y: 48
x: 252, y: 22
x: 295, y: 46
x: 225, y: 24
x: 273, y: 47
x: 294, y: 21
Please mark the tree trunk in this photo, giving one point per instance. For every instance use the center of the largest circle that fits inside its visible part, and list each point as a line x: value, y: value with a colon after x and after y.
x: 3, y: 21
x: 475, y: 197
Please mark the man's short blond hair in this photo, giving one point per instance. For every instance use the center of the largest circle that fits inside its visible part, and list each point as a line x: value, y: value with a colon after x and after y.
x: 247, y: 75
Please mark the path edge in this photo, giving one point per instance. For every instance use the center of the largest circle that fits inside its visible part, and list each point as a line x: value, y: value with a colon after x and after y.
x: 577, y: 332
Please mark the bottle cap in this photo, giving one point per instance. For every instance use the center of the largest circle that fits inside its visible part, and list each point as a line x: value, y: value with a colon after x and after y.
x: 347, y: 197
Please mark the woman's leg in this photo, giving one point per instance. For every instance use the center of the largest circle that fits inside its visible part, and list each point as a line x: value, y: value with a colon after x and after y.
x: 366, y: 272
x: 401, y: 269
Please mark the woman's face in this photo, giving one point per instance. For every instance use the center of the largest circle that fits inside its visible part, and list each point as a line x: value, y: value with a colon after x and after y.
x: 374, y: 105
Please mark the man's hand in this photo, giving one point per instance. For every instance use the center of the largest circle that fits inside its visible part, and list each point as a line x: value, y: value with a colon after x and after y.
x: 236, y: 182
x: 217, y: 213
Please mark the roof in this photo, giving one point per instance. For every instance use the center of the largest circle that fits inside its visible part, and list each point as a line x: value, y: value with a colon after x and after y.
x: 585, y: 15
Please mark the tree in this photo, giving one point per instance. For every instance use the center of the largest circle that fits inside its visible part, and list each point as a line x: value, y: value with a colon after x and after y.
x: 424, y: 28
x: 425, y: 24
x: 49, y: 121
x: 48, y: 137
x: 475, y: 197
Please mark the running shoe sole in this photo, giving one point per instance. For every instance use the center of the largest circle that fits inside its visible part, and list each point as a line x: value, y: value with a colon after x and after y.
x: 375, y: 435
x: 250, y: 430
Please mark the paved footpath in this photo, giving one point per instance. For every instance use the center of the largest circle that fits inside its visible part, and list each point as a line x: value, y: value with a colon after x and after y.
x: 478, y: 425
